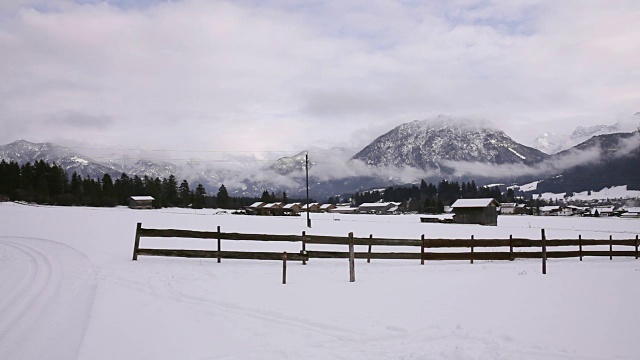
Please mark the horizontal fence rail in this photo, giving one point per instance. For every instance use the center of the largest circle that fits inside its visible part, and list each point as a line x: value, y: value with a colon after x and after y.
x: 422, y: 254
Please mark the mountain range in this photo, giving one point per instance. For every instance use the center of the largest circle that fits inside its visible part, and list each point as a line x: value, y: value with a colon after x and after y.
x: 552, y: 143
x: 443, y: 147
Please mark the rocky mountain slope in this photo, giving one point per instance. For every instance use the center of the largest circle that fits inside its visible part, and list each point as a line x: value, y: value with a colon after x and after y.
x: 427, y: 144
x: 606, y: 160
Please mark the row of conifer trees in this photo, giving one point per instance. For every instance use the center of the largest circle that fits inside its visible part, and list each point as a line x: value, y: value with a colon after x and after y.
x: 45, y: 183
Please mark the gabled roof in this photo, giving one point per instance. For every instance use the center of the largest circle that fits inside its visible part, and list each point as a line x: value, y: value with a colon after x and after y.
x: 273, y: 206
x: 291, y: 206
x: 326, y: 206
x: 378, y: 205
x: 256, y: 204
x: 474, y: 203
x: 142, y: 198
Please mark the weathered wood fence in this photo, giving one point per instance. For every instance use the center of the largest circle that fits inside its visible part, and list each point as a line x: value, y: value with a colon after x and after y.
x: 423, y: 243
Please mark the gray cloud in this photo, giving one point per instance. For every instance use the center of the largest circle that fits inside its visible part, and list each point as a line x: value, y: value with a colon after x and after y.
x: 239, y: 75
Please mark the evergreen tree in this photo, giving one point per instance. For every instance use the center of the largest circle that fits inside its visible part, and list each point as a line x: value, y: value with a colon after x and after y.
x: 108, y: 191
x: 223, y: 197
x: 184, y: 193
x: 198, y: 197
x: 170, y: 192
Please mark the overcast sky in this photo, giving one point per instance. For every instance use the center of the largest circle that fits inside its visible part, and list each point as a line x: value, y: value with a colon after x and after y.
x: 286, y: 75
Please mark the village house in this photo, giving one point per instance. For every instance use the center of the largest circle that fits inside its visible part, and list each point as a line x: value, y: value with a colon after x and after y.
x: 344, y: 210
x: 378, y: 208
x: 631, y: 213
x: 254, y: 208
x: 313, y: 207
x: 272, y: 209
x: 602, y: 211
x: 327, y: 207
x: 292, y: 209
x: 141, y: 202
x: 513, y: 209
x: 476, y: 211
x: 551, y: 210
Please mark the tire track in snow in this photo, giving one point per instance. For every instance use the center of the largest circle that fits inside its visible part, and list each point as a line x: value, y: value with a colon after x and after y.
x: 49, y: 291
x: 328, y: 330
x: 29, y: 300
x: 164, y: 288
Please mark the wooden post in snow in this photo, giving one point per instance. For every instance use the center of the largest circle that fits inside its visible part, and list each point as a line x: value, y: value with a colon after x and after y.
x: 636, y: 247
x: 544, y: 253
x: 610, y: 247
x: 369, y: 252
x: 510, y: 247
x: 219, y: 245
x: 136, y: 244
x: 580, y: 245
x: 472, y: 249
x: 352, y: 262
x: 304, y: 247
x: 284, y: 267
x: 422, y: 250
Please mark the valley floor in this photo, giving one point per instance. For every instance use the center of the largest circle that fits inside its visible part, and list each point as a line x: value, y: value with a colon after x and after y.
x: 70, y: 290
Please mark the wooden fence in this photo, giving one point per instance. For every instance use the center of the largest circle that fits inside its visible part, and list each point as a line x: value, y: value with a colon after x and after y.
x: 423, y: 244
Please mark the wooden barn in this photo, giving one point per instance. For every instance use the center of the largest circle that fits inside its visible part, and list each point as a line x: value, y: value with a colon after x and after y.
x: 141, y: 202
x: 476, y: 211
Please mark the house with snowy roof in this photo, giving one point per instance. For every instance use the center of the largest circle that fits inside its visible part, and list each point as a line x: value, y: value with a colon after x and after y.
x: 631, y: 213
x: 476, y: 211
x: 345, y: 209
x: 293, y: 208
x: 327, y: 207
x: 378, y: 208
x: 141, y: 202
x: 513, y: 209
x: 313, y: 207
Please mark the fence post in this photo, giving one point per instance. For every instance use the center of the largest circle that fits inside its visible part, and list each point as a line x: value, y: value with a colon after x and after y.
x: 284, y: 267
x: 510, y: 247
x: 304, y: 248
x: 472, y: 249
x: 610, y: 247
x: 544, y: 253
x: 219, y: 244
x: 636, y: 247
x: 580, y: 244
x: 422, y: 251
x: 136, y: 244
x: 352, y: 262
x: 369, y: 252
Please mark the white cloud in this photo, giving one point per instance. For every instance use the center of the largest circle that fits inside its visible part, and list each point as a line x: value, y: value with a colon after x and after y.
x: 275, y: 75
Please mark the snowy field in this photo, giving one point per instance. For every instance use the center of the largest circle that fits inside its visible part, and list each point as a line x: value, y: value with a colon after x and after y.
x: 69, y: 290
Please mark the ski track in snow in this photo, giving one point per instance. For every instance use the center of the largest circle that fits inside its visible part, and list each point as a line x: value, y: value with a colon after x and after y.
x: 44, y: 284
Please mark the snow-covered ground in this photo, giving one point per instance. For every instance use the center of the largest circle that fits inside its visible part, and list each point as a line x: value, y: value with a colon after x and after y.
x: 68, y: 289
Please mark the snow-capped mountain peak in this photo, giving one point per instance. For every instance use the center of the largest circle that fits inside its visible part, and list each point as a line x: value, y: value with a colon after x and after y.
x: 425, y: 144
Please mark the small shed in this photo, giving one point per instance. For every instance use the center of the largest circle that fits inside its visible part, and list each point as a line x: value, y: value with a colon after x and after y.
x: 141, y: 202
x: 476, y: 211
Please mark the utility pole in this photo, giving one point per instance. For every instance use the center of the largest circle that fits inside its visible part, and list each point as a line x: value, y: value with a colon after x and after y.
x: 306, y: 162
